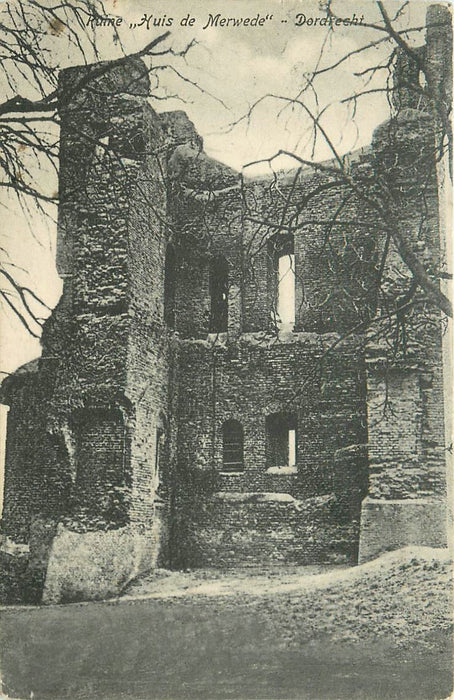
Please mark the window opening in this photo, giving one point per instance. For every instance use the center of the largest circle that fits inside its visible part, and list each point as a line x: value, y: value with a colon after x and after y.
x: 219, y: 285
x: 292, y: 447
x: 232, y: 446
x: 281, y: 440
x: 282, y: 281
x: 286, y: 292
x: 160, y: 460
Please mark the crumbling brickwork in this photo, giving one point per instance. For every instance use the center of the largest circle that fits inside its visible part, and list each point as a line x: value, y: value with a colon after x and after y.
x: 248, y: 381
x: 167, y: 332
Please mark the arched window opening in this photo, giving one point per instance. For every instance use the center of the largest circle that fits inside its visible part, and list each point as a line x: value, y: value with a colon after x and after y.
x: 283, y: 282
x: 232, y: 446
x: 281, y: 440
x: 219, y: 288
x: 169, y: 286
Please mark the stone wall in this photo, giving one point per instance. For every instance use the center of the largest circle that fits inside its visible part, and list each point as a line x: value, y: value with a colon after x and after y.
x: 405, y: 382
x: 214, y: 215
x: 24, y: 492
x: 262, y: 528
x: 247, y: 381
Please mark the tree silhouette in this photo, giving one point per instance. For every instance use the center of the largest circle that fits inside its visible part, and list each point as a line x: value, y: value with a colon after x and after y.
x: 406, y: 289
x: 37, y: 39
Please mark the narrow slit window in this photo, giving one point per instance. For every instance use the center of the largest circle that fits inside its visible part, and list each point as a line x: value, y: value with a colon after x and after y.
x: 292, y: 447
x: 219, y: 286
x: 160, y: 457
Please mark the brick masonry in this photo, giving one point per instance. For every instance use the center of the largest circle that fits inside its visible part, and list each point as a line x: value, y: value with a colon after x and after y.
x: 114, y: 458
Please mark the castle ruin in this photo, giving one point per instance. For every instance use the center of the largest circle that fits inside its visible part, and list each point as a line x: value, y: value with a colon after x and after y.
x: 210, y: 393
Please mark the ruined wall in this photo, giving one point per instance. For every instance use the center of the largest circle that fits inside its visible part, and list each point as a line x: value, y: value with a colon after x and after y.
x: 23, y: 495
x: 148, y: 361
x: 405, y: 446
x: 248, y: 381
x: 216, y: 215
x: 205, y: 211
x: 102, y: 380
x: 263, y: 528
x: 107, y: 128
x: 407, y: 484
x: 247, y: 376
x: 336, y: 242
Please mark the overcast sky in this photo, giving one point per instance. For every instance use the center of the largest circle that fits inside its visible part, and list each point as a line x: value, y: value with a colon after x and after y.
x: 234, y: 67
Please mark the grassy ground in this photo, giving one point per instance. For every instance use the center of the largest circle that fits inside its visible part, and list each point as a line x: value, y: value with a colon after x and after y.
x: 380, y: 630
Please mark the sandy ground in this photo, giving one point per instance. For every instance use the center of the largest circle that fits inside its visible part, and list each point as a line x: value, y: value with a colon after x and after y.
x: 406, y: 594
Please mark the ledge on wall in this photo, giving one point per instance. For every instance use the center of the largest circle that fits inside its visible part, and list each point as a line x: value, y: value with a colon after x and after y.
x: 282, y: 470
x: 8, y: 546
x: 255, y: 497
